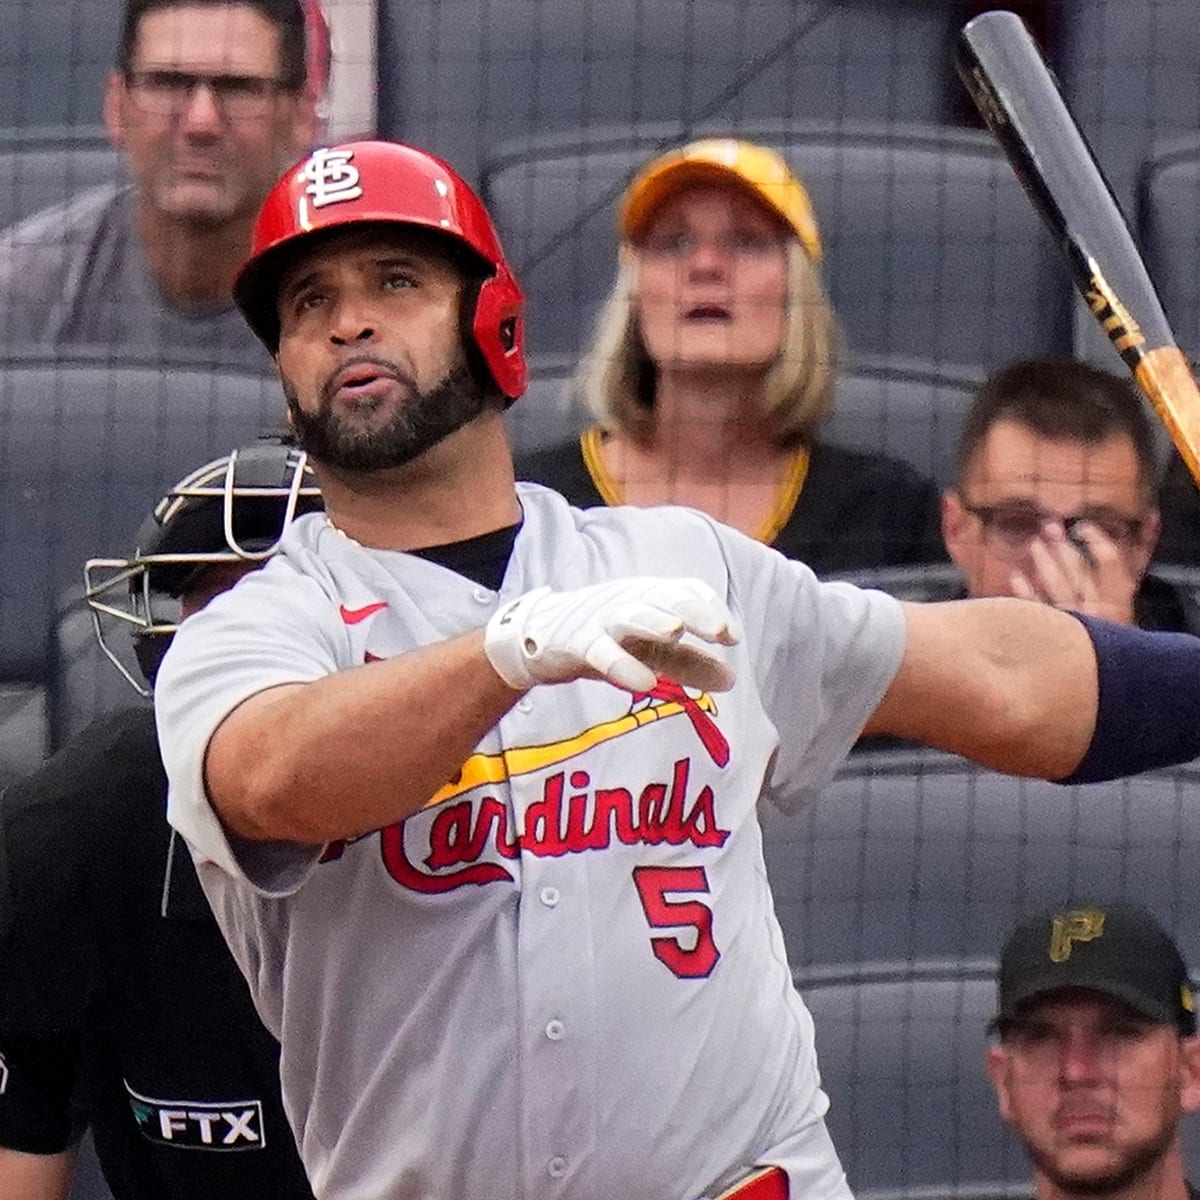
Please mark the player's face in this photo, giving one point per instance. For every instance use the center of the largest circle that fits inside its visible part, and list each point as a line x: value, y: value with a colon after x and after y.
x: 370, y: 352
x: 1093, y: 1089
x: 206, y: 152
x: 712, y: 280
x: 1019, y: 480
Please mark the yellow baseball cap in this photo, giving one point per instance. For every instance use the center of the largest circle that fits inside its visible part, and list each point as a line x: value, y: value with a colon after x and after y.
x: 761, y: 170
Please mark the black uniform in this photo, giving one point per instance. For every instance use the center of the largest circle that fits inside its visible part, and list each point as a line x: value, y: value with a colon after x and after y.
x: 120, y: 1006
x: 855, y: 511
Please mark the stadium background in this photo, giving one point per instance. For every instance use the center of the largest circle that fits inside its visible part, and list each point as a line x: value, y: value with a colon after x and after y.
x: 896, y: 889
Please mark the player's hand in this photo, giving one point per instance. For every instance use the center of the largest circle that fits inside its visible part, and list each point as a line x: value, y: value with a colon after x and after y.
x: 628, y: 632
x: 1059, y: 572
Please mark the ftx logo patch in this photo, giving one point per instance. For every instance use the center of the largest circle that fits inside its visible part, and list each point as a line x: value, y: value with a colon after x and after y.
x: 199, y: 1124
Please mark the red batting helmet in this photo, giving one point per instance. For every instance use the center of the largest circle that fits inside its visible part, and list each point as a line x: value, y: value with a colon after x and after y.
x: 375, y: 181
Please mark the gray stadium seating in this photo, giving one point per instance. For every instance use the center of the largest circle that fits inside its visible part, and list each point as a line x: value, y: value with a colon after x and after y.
x: 1128, y: 70
x: 1169, y: 228
x: 46, y: 168
x: 933, y: 251
x: 902, y: 408
x: 86, y: 447
x: 54, y: 58
x: 458, y: 76
x: 912, y: 855
x: 912, y: 1111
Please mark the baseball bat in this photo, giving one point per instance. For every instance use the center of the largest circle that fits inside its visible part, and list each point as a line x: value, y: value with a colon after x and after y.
x: 1018, y: 98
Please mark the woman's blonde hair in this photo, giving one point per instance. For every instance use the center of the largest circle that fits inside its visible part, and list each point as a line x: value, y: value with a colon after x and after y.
x: 617, y: 378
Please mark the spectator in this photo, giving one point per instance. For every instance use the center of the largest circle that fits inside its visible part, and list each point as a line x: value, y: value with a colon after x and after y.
x: 207, y: 104
x: 714, y: 363
x: 1054, y: 496
x: 120, y: 1006
x: 1097, y: 1059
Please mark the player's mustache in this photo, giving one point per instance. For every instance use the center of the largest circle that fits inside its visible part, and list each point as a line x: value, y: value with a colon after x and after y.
x: 385, y: 366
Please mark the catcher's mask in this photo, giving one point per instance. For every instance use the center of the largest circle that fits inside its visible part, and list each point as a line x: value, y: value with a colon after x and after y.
x: 234, y: 509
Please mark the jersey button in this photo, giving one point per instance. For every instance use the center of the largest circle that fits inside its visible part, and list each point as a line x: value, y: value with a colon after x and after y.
x: 549, y: 896
x: 555, y: 1030
x: 556, y: 1168
x: 482, y: 595
x: 524, y: 704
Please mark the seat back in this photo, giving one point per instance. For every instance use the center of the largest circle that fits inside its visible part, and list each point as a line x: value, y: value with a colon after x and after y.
x: 458, y: 76
x: 911, y: 855
x: 1169, y: 226
x: 55, y: 57
x: 931, y: 243
x: 38, y: 171
x: 86, y: 448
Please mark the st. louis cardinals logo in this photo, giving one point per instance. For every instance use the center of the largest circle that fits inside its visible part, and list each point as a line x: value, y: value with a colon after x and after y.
x: 572, y: 815
x: 332, y: 179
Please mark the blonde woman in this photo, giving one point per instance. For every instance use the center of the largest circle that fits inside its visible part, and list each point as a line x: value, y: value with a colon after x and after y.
x: 713, y: 364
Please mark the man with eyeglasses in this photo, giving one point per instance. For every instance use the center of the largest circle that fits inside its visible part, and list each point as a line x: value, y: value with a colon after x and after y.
x: 1054, y: 496
x: 208, y: 103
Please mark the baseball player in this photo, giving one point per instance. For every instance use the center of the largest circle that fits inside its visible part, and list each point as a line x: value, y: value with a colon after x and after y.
x: 471, y: 776
x: 1097, y: 1060
x: 120, y: 1006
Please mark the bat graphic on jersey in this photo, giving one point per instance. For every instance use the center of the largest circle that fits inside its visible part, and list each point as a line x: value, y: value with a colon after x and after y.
x: 1015, y: 92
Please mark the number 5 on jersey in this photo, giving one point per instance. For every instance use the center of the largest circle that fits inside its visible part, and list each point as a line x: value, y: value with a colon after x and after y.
x: 653, y: 885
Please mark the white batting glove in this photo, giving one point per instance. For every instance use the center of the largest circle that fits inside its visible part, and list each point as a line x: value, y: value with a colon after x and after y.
x: 627, y: 632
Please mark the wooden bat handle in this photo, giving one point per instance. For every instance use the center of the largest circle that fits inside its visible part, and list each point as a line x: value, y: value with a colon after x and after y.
x: 1166, y: 378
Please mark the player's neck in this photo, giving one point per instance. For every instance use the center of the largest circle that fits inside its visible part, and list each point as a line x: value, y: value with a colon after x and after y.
x: 709, y: 424
x: 193, y: 265
x: 1164, y: 1180
x: 459, y: 489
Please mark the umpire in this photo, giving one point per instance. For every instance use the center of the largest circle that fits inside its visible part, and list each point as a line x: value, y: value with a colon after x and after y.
x: 120, y: 1007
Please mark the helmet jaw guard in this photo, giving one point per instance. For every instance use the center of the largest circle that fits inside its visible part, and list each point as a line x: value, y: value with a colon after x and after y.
x: 377, y: 182
x: 234, y: 509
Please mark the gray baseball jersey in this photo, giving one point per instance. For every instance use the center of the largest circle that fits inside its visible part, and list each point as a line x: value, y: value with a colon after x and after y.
x: 564, y: 977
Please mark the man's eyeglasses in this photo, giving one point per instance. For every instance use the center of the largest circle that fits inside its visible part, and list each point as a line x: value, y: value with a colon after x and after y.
x: 1017, y: 524
x: 240, y: 97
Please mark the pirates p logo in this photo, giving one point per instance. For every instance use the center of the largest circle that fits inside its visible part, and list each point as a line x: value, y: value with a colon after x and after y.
x: 1078, y: 925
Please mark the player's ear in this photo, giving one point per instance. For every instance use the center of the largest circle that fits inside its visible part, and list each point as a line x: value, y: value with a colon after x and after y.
x: 1189, y: 1083
x: 115, y: 96
x: 954, y: 522
x: 1147, y: 541
x: 998, y: 1064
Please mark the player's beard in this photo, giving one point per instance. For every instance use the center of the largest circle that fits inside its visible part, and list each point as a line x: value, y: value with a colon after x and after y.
x: 1136, y: 1161
x: 422, y: 420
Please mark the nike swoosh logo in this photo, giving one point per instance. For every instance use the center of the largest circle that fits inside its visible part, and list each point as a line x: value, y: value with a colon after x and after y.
x: 352, y: 616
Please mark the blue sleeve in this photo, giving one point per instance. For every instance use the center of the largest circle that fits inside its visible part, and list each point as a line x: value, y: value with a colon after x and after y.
x: 1148, y: 709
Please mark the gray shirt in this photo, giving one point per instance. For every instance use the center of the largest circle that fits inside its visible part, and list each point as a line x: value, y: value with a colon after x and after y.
x: 75, y: 276
x: 564, y: 978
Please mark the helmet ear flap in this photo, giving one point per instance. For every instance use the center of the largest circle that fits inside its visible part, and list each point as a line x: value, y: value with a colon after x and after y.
x: 498, y: 331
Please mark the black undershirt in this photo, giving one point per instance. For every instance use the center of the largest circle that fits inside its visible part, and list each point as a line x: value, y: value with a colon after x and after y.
x: 482, y: 559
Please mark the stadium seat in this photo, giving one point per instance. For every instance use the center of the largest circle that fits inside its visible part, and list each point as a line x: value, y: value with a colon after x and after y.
x: 902, y: 1059
x: 37, y: 171
x: 933, y: 251
x: 913, y: 855
x: 458, y: 76
x: 899, y: 407
x: 1169, y: 227
x: 55, y: 56
x: 86, y: 447
x: 1128, y: 70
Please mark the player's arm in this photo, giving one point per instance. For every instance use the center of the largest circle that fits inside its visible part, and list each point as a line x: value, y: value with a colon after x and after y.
x: 356, y: 750
x: 1005, y: 682
x: 365, y: 747
x: 39, y: 1128
x: 1030, y: 690
x: 36, y: 1176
